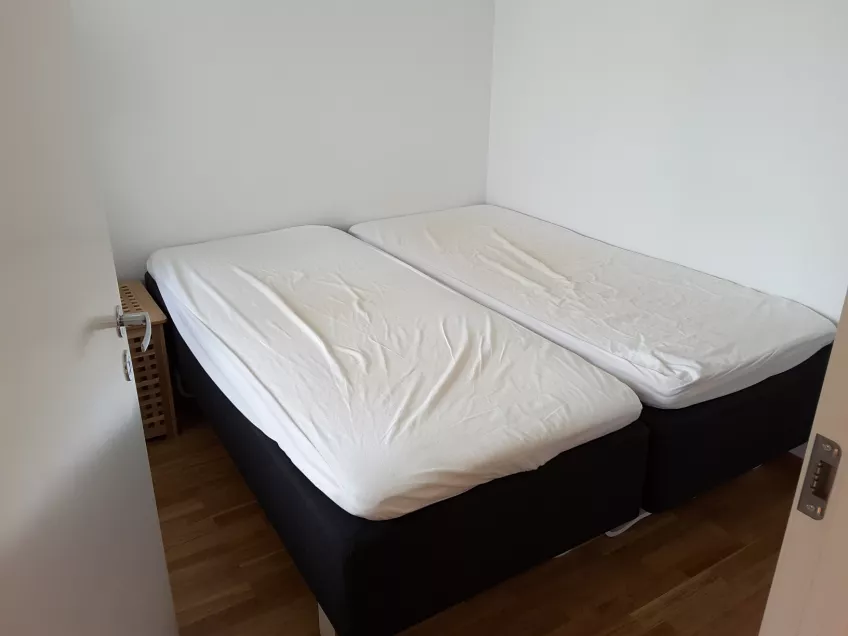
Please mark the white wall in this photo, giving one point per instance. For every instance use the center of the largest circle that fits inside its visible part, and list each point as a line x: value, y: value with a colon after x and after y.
x: 713, y: 133
x: 222, y: 117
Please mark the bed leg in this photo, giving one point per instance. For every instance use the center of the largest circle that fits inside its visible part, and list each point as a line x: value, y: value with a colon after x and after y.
x: 325, y: 627
x: 625, y: 527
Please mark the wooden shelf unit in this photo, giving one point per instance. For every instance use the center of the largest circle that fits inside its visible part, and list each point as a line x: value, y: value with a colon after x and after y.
x: 152, y: 374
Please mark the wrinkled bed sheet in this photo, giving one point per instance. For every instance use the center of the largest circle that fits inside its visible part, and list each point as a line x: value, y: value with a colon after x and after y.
x: 387, y: 390
x: 675, y: 335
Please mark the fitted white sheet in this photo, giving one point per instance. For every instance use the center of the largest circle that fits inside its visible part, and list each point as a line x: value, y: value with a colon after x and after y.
x: 387, y: 390
x: 675, y: 335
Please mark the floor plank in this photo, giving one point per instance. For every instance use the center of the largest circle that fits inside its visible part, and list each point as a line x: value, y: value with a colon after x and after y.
x: 702, y: 570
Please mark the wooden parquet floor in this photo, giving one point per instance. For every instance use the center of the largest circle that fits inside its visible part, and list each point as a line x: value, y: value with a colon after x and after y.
x: 704, y: 569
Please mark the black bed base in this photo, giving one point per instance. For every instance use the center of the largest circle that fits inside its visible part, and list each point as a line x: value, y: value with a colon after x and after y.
x: 374, y: 578
x: 696, y: 448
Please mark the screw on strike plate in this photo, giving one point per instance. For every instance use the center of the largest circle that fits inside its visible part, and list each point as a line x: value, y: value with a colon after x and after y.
x: 827, y: 447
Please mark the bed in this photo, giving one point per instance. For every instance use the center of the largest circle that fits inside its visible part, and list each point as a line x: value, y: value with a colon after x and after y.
x: 729, y: 376
x: 410, y: 446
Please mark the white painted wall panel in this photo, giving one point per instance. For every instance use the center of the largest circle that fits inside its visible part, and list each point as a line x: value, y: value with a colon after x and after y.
x: 709, y: 133
x: 225, y: 117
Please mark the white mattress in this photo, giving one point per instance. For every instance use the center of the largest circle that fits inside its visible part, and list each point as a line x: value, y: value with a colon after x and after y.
x: 386, y: 389
x: 676, y: 336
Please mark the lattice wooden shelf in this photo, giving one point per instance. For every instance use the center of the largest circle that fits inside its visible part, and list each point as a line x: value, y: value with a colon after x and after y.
x: 152, y: 375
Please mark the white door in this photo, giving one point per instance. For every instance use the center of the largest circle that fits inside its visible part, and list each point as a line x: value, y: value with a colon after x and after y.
x: 809, y: 596
x: 80, y: 550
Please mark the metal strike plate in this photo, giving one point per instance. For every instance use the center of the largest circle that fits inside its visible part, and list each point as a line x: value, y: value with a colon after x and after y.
x: 129, y: 374
x: 821, y: 473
